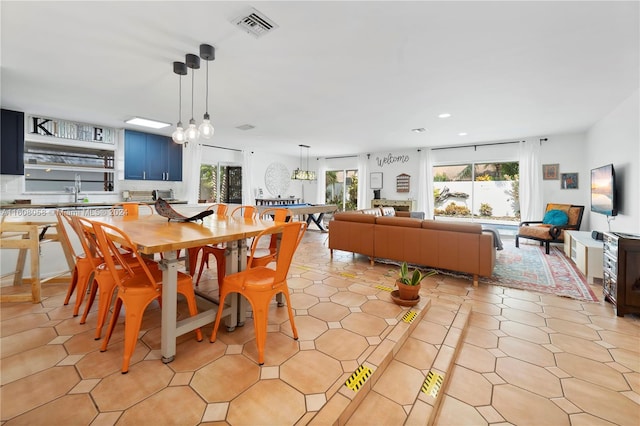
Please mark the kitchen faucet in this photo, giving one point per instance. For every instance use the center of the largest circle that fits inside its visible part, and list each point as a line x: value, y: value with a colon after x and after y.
x: 77, y: 188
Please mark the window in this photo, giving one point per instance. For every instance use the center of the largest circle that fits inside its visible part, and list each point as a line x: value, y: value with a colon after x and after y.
x: 479, y: 191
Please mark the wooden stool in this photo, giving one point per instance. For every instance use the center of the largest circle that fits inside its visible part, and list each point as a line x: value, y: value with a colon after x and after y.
x: 27, y: 237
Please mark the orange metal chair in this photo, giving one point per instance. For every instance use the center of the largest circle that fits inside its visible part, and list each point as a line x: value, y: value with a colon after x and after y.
x: 247, y: 212
x: 131, y: 208
x: 102, y: 283
x: 264, y: 256
x: 220, y: 210
x: 260, y: 284
x: 85, y: 263
x: 137, y: 287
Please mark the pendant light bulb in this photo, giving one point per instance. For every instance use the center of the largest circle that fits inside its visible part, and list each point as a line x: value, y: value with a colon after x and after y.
x: 178, y: 135
x: 206, y: 128
x: 192, y: 133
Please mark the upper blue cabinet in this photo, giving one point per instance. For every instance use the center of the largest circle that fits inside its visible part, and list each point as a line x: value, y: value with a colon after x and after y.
x: 151, y: 157
x: 12, y: 143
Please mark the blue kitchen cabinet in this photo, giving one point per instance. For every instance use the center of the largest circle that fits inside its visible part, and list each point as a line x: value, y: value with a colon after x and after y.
x: 151, y: 157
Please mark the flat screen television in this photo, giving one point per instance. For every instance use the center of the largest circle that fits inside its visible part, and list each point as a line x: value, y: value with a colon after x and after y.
x: 603, y: 190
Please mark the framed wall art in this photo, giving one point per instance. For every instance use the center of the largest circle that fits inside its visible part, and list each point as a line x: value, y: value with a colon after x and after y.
x: 550, y: 171
x: 376, y: 180
x: 569, y: 181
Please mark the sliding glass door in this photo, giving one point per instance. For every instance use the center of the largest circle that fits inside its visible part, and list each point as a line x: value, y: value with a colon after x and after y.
x: 486, y: 192
x: 220, y: 183
x: 342, y: 189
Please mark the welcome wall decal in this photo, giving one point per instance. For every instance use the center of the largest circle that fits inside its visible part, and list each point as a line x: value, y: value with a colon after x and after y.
x: 71, y: 130
x: 390, y: 159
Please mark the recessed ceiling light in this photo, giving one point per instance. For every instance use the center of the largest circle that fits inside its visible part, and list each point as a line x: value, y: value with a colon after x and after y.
x: 419, y: 130
x: 462, y: 134
x: 444, y: 115
x: 145, y: 122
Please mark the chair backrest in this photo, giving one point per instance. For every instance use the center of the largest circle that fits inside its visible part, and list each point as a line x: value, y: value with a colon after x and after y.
x: 131, y: 208
x: 574, y: 213
x: 83, y: 230
x: 292, y: 233
x: 221, y: 209
x: 276, y: 214
x: 248, y: 212
x: 112, y: 241
x: 63, y: 220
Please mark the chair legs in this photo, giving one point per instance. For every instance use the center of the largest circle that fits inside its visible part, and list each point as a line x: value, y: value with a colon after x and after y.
x: 79, y: 283
x: 219, y: 254
x: 106, y: 287
x: 134, y: 310
x: 260, y: 301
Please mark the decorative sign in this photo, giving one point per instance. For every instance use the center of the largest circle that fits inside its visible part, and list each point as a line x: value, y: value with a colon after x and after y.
x: 71, y: 130
x: 390, y: 159
x: 277, y: 179
x: 402, y: 182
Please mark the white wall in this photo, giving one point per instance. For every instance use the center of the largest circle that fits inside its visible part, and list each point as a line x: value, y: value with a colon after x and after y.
x: 568, y: 151
x: 616, y: 139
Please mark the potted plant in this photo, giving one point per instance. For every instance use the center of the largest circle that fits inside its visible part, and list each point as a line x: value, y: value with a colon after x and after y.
x: 408, y: 282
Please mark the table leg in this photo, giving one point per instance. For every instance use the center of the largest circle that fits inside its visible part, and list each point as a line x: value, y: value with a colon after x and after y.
x: 242, y: 265
x: 231, y: 254
x: 316, y: 220
x: 168, y: 333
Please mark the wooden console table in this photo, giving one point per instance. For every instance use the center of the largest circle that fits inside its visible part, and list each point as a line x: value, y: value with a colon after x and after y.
x: 585, y: 252
x: 400, y: 205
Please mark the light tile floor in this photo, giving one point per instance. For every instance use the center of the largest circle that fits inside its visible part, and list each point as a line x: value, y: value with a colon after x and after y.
x: 526, y: 358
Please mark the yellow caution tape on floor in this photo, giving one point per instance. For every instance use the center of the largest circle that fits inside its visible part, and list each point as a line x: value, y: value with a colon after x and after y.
x: 433, y: 383
x: 384, y: 287
x: 358, y: 378
x: 409, y: 316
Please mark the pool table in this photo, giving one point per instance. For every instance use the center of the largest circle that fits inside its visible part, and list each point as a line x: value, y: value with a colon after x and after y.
x: 310, y: 212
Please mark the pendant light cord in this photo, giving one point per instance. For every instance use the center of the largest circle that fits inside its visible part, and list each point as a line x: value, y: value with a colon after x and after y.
x: 192, y: 78
x: 207, y: 92
x: 180, y: 100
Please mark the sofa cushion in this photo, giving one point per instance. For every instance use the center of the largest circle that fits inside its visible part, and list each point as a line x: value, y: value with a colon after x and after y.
x: 472, y: 228
x: 399, y: 221
x: 555, y: 217
x: 540, y: 232
x: 387, y: 211
x: 371, y: 212
x: 354, y: 217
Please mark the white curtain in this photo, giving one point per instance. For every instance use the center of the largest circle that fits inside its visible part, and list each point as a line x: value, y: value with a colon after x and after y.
x: 321, y: 181
x: 363, y: 180
x: 248, y: 198
x: 192, y: 157
x: 425, y: 183
x: 531, y: 206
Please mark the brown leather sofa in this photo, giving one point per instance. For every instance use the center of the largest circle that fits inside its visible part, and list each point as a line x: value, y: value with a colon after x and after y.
x: 454, y: 246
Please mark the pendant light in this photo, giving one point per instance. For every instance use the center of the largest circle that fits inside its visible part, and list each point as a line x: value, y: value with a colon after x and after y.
x: 193, y: 62
x: 179, y: 136
x: 208, y: 53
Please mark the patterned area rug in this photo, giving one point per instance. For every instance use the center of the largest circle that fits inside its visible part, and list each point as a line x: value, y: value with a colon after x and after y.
x: 529, y: 268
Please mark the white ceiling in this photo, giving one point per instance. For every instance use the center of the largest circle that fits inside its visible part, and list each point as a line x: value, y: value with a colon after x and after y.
x: 342, y: 77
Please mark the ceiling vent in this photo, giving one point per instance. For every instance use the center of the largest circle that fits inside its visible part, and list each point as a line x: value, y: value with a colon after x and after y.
x: 255, y: 23
x: 246, y: 127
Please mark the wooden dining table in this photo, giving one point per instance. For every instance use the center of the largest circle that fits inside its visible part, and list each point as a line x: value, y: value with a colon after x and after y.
x: 155, y: 234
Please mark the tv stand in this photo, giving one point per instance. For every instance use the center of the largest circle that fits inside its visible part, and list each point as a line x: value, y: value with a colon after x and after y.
x: 622, y: 271
x: 585, y: 252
